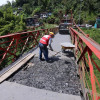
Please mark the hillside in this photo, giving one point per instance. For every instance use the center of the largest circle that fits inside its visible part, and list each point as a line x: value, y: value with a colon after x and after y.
x: 12, y: 14
x: 87, y: 9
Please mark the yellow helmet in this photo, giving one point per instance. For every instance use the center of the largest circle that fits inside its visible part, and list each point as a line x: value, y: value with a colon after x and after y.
x: 51, y: 33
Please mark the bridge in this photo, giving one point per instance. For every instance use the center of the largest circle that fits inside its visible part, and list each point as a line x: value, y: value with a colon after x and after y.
x: 68, y: 75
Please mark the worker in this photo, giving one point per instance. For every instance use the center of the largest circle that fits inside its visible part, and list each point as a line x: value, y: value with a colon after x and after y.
x: 43, y: 43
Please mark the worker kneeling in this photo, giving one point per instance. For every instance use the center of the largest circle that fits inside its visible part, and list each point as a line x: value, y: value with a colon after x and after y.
x: 43, y: 43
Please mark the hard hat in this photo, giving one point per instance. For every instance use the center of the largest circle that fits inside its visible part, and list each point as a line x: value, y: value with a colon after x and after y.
x: 51, y: 33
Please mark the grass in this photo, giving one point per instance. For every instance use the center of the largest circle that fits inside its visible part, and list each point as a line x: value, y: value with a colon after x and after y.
x: 46, y: 25
x: 95, y: 35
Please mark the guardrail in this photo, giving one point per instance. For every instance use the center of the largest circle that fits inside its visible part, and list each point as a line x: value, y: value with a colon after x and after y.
x: 85, y: 50
x: 13, y: 45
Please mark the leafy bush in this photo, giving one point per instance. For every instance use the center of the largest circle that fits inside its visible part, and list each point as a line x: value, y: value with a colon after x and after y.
x: 37, y: 10
x: 1, y: 14
x: 10, y: 23
x: 55, y: 12
x: 57, y: 21
x: 51, y: 19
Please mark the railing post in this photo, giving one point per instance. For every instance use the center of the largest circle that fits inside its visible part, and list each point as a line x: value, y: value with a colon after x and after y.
x: 76, y: 44
x: 17, y: 37
x: 94, y: 93
x: 82, y: 55
x: 7, y: 50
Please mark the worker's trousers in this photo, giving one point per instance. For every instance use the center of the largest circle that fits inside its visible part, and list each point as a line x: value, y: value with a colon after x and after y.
x: 44, y: 50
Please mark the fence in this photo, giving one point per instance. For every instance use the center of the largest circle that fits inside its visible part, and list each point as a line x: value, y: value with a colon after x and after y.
x: 87, y: 52
x: 13, y: 45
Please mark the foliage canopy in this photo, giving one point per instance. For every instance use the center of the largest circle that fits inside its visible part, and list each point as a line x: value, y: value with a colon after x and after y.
x: 88, y: 10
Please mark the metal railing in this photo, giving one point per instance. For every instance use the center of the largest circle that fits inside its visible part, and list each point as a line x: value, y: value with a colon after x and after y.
x: 87, y: 53
x: 13, y: 45
x: 85, y: 50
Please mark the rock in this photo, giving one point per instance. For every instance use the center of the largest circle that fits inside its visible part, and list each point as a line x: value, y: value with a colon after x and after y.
x: 58, y: 76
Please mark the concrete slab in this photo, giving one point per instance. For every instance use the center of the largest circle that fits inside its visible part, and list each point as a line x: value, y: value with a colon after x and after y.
x: 14, y: 91
x: 67, y: 44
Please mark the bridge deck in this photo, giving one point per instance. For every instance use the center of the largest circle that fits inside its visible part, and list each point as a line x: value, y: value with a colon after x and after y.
x: 20, y: 92
x: 59, y: 75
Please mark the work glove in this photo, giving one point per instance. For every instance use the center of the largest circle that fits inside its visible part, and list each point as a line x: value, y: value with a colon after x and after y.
x: 51, y: 49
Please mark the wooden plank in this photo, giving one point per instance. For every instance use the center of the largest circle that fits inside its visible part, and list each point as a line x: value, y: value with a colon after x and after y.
x: 15, y: 67
x: 67, y: 47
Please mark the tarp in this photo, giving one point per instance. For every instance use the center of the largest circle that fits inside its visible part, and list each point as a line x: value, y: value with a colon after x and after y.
x: 97, y: 24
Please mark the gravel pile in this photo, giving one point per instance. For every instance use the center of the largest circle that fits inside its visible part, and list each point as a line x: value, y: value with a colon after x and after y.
x: 58, y: 75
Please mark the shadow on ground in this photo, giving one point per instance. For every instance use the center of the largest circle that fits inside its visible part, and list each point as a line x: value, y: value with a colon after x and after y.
x: 69, y: 54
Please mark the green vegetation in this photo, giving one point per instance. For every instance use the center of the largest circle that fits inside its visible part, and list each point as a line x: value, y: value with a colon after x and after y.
x: 10, y: 23
x: 87, y: 9
x: 49, y: 26
x: 93, y: 33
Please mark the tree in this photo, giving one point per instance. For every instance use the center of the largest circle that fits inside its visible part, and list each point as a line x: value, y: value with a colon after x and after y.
x: 10, y: 23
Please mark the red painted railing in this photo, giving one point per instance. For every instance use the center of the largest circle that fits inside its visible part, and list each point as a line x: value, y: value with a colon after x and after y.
x: 13, y: 45
x: 85, y: 50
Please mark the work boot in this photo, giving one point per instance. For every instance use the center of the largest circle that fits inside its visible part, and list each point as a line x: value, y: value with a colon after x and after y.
x: 41, y: 59
x: 48, y: 60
